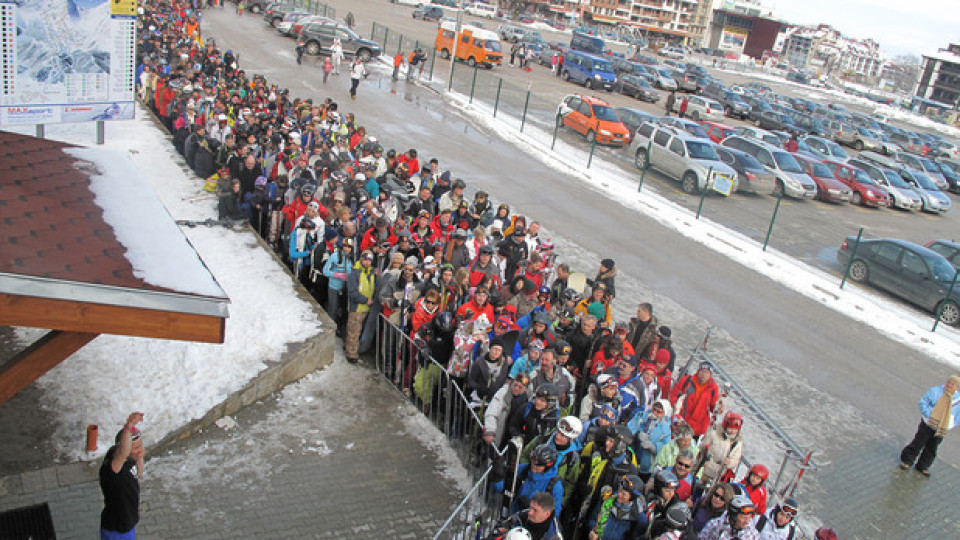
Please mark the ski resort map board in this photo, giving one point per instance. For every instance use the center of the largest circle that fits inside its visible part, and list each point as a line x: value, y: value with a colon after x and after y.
x: 67, y: 60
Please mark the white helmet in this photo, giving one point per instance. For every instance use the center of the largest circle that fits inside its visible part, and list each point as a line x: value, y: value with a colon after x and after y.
x: 518, y: 533
x: 570, y: 427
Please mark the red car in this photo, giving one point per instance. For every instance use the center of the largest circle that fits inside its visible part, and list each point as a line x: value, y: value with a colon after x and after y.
x: 866, y: 192
x: 829, y: 189
x: 718, y: 131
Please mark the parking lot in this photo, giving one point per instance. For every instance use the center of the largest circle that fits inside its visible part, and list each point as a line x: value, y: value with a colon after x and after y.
x: 809, y: 230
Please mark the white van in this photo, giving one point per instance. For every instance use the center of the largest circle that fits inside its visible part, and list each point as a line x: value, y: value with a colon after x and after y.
x: 481, y: 10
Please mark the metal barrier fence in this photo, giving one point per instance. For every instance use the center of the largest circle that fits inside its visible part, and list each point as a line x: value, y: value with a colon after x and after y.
x: 396, y: 43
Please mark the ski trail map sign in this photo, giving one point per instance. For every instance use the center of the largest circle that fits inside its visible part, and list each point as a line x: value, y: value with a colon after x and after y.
x: 67, y: 60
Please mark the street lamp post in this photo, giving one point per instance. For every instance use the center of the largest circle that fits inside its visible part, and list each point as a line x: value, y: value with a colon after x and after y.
x: 456, y: 42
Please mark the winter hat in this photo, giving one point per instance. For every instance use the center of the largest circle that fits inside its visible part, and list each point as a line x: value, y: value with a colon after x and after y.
x: 665, y: 331
x: 607, y: 263
x: 496, y: 341
x: 606, y: 380
x: 411, y: 260
x: 647, y: 366
x: 630, y: 360
x: 955, y: 379
x: 262, y: 181
x: 314, y: 204
x: 529, y: 286
x: 597, y: 310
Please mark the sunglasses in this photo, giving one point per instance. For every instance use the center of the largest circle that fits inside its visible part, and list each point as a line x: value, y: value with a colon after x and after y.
x: 684, y: 465
x: 429, y: 302
x: 718, y: 496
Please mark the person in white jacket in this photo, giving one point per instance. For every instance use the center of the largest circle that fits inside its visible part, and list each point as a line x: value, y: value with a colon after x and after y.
x: 512, y: 397
x: 357, y: 72
x: 721, y: 449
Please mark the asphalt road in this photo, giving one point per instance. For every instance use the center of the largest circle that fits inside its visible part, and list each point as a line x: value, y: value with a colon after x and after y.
x: 845, y: 359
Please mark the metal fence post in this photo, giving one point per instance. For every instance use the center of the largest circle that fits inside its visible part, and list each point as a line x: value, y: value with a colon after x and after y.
x: 526, y: 103
x: 373, y: 30
x: 400, y: 44
x: 646, y: 165
x: 556, y: 130
x: 593, y: 148
x: 433, y: 62
x: 776, y: 209
x: 41, y: 131
x: 473, y: 85
x: 386, y: 36
x: 703, y: 192
x: 496, y: 102
x: 846, y: 271
x: 945, y: 300
x: 100, y: 131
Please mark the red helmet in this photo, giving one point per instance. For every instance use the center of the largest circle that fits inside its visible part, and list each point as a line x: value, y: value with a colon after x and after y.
x: 825, y: 533
x: 732, y: 420
x: 761, y: 471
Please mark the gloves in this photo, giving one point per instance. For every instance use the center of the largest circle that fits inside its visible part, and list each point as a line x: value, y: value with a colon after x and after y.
x: 643, y: 437
x: 340, y: 275
x: 648, y: 446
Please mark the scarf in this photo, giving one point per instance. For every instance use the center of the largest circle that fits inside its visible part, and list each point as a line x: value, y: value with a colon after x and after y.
x: 940, y: 417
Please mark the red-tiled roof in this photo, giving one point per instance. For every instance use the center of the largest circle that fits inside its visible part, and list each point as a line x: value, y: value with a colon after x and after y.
x: 50, y: 226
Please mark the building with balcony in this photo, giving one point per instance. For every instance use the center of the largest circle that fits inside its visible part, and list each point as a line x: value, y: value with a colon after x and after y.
x: 940, y: 76
x: 660, y: 21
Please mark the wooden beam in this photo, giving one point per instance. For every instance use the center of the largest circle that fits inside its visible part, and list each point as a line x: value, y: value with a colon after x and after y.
x: 70, y: 316
x: 39, y: 358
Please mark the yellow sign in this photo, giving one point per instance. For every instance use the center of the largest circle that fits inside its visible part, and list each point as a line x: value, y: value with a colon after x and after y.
x: 127, y: 8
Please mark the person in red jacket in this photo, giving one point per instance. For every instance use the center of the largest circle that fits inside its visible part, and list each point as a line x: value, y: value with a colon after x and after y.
x: 607, y: 357
x: 380, y: 232
x: 441, y: 227
x: 298, y: 207
x: 661, y: 368
x: 425, y: 311
x: 755, y: 484
x: 700, y: 395
x: 477, y: 306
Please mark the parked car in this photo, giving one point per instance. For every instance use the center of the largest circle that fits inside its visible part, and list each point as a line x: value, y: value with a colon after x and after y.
x: 790, y: 179
x: 909, y: 271
x: 825, y: 149
x: 274, y: 12
x: 760, y: 134
x: 671, y: 52
x: 717, y: 131
x: 318, y: 37
x: 285, y: 27
x: 683, y: 124
x: 637, y: 87
x: 927, y: 166
x: 757, y: 106
x: 863, y: 139
x: 686, y: 81
x: 901, y: 194
x: 588, y: 43
x: 933, y: 200
x: 663, y: 78
x: 949, y: 249
x: 947, y: 149
x: 951, y: 176
x: 908, y: 141
x: 810, y: 124
x: 681, y: 157
x: 829, y: 189
x: 428, y: 13
x: 588, y: 70
x: 700, y: 108
x: 592, y: 118
x: 633, y: 118
x: 511, y: 33
x: 752, y: 176
x: 773, y: 120
x: 481, y: 10
x: 866, y: 192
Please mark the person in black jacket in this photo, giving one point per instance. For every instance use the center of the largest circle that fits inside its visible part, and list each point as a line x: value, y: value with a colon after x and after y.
x: 120, y: 482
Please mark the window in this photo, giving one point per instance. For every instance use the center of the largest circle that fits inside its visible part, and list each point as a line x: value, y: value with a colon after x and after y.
x: 645, y: 130
x: 888, y: 253
x: 661, y: 138
x: 676, y: 146
x: 585, y: 109
x: 765, y: 159
x: 914, y: 264
x: 726, y: 157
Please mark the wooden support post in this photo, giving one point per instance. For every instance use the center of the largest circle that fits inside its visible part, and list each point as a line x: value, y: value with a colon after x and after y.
x: 39, y: 358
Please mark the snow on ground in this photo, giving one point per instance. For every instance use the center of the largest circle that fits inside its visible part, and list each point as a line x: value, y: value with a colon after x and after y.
x: 888, y: 316
x: 173, y: 382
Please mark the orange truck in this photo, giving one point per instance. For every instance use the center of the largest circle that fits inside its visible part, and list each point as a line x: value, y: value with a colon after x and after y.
x: 476, y: 46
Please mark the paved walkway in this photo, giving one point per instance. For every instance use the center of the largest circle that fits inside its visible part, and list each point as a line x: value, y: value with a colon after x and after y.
x: 338, y: 455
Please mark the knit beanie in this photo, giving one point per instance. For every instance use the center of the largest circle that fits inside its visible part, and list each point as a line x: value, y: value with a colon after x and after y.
x: 597, y: 310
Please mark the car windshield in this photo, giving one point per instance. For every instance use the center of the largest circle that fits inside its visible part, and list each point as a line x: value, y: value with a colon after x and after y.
x: 603, y: 112
x: 942, y: 270
x: 862, y: 177
x: 925, y: 181
x: 665, y: 72
x: 786, y: 162
x: 836, y: 150
x: 929, y: 166
x: 771, y: 139
x: 492, y: 45
x: 700, y: 150
x: 864, y: 132
x: 696, y: 131
x: 750, y: 162
x: 820, y: 170
x: 602, y: 67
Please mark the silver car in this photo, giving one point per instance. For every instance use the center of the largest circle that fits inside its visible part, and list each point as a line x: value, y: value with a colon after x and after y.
x: 864, y: 139
x: 791, y: 180
x: 901, y: 193
x: 690, y: 160
x: 928, y: 167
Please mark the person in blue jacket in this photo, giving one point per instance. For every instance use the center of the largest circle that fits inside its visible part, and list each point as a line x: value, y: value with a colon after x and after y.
x: 539, y: 475
x: 651, y: 432
x: 939, y: 413
x: 337, y: 269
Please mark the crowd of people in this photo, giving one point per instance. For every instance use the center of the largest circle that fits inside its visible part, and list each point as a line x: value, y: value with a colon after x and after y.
x: 612, y: 443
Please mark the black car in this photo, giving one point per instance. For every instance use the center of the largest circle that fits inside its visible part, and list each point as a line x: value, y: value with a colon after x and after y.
x: 811, y: 125
x: 777, y: 121
x: 949, y: 249
x: 950, y: 175
x: 428, y: 13
x: 318, y: 37
x: 633, y: 118
x: 636, y: 87
x: 915, y: 273
x: 757, y: 106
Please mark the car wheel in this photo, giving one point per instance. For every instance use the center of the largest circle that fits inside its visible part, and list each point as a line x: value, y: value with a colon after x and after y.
x: 275, y: 21
x: 445, y: 54
x: 591, y: 136
x: 949, y: 313
x: 819, y: 196
x: 858, y: 146
x: 313, y: 47
x: 689, y: 183
x: 565, y: 75
x: 588, y: 84
x: 778, y: 189
x: 641, y: 160
x: 472, y: 62
x: 254, y: 9
x: 856, y: 198
x: 757, y: 122
x: 728, y: 111
x: 859, y: 271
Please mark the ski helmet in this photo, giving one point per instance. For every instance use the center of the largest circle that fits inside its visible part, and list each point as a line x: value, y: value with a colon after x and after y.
x: 825, y: 533
x: 732, y: 420
x: 789, y: 506
x: 664, y: 479
x: 518, y: 533
x: 542, y: 318
x: 544, y: 290
x: 486, y: 250
x: 761, y: 471
x: 444, y: 321
x: 741, y: 504
x: 678, y: 516
x: 308, y: 189
x: 563, y: 348
x: 391, y: 153
x: 571, y: 295
x: 549, y: 392
x: 570, y: 427
x: 633, y: 485
x: 544, y: 455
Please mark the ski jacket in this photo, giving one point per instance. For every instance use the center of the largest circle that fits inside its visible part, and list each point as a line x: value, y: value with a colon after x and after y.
x: 699, y: 401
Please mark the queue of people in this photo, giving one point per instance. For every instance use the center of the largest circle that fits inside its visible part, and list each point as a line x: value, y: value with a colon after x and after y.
x: 612, y: 443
